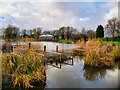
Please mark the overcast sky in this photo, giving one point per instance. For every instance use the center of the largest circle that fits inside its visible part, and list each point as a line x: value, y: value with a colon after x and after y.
x: 53, y: 15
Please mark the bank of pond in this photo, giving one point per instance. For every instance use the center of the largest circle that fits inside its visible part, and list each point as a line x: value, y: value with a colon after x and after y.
x: 26, y: 67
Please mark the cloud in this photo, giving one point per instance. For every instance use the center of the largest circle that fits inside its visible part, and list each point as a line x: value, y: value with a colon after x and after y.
x: 53, y: 15
x: 84, y: 19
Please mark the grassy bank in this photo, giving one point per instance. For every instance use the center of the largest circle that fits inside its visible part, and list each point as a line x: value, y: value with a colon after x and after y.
x: 116, y: 43
x: 19, y: 39
x: 63, y: 40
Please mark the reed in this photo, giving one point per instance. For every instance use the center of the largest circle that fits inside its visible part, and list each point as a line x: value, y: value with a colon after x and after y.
x: 80, y: 44
x: 98, y: 55
x: 25, y: 68
x: 116, y: 53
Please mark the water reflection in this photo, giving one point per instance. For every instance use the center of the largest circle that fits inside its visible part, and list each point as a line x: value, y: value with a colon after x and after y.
x: 59, y: 64
x: 93, y: 74
x: 117, y: 64
x: 74, y: 74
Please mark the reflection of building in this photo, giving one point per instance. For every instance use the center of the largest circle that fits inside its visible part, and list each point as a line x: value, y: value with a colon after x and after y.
x: 47, y: 36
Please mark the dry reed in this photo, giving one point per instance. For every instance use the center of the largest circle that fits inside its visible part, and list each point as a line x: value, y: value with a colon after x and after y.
x: 97, y: 54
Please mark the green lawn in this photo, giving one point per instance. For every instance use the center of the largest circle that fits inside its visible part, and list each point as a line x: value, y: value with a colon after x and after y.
x: 116, y: 43
x: 21, y: 39
x: 63, y: 40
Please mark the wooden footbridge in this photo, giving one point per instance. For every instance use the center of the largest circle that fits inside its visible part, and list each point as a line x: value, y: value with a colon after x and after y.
x: 53, y: 56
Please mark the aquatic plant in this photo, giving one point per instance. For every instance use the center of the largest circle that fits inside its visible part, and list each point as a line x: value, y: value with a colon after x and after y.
x: 25, y: 68
x: 116, y: 53
x: 80, y: 44
x: 97, y: 54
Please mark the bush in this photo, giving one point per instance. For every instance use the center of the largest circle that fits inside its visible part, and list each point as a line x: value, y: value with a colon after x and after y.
x: 111, y: 38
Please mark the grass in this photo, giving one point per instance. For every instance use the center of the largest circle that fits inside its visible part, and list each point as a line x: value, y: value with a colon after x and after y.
x: 116, y: 43
x: 26, y: 67
x: 99, y: 55
x: 20, y: 39
x: 63, y: 40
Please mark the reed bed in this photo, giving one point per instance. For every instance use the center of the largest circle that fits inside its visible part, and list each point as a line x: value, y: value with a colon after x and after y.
x: 26, y: 67
x: 100, y: 55
x: 80, y: 44
x: 116, y: 53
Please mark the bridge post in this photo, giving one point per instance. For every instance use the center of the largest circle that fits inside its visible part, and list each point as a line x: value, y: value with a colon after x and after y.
x: 60, y: 60
x: 44, y: 48
x: 29, y: 45
x: 57, y: 48
x: 11, y: 47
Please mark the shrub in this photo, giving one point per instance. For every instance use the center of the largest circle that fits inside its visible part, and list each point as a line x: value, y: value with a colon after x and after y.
x: 111, y: 38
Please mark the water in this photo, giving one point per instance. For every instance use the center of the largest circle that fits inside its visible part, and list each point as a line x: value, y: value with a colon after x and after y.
x: 76, y: 75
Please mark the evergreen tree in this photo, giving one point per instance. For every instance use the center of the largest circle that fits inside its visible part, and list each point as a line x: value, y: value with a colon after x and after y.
x: 100, y: 31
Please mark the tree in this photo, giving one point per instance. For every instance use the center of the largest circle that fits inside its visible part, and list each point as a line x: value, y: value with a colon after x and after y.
x: 69, y: 31
x: 38, y: 33
x: 34, y: 32
x: 100, y: 31
x: 11, y: 32
x: 24, y: 33
x: 46, y: 32
x: 66, y: 32
x: 83, y: 31
x: 55, y: 33
x: 30, y: 33
x: 118, y: 30
x: 112, y: 26
x: 83, y: 34
x: 90, y: 34
x: 61, y: 32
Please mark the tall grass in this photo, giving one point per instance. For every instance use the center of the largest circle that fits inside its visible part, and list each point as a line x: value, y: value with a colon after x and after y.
x: 80, y: 44
x: 116, y: 53
x: 26, y: 67
x: 99, y: 55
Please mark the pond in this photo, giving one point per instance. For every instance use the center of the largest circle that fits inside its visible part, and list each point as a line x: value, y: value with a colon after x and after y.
x: 76, y: 75
x: 73, y: 74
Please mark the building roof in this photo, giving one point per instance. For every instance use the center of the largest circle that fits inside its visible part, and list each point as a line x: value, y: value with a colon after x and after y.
x: 47, y: 35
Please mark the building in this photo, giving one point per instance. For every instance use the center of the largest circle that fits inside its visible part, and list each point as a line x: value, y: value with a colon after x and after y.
x: 46, y: 37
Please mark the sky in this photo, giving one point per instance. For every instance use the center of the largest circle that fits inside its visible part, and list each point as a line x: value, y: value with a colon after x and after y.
x: 55, y: 14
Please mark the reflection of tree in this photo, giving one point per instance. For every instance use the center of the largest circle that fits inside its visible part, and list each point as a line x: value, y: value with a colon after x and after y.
x: 117, y: 64
x: 79, y: 58
x: 93, y: 74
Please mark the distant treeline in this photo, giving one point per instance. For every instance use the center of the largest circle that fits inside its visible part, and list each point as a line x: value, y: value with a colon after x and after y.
x: 69, y: 33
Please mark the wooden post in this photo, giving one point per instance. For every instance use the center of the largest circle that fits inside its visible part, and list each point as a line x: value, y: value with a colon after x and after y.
x: 72, y: 61
x: 60, y: 60
x: 44, y: 48
x: 62, y: 46
x: 11, y: 48
x: 29, y: 45
x: 72, y: 45
x: 57, y: 48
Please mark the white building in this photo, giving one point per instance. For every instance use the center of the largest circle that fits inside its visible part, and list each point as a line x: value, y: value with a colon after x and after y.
x: 47, y: 36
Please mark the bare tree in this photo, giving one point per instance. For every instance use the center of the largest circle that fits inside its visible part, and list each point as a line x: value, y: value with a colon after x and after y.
x: 83, y: 31
x: 38, y: 32
x: 112, y: 26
